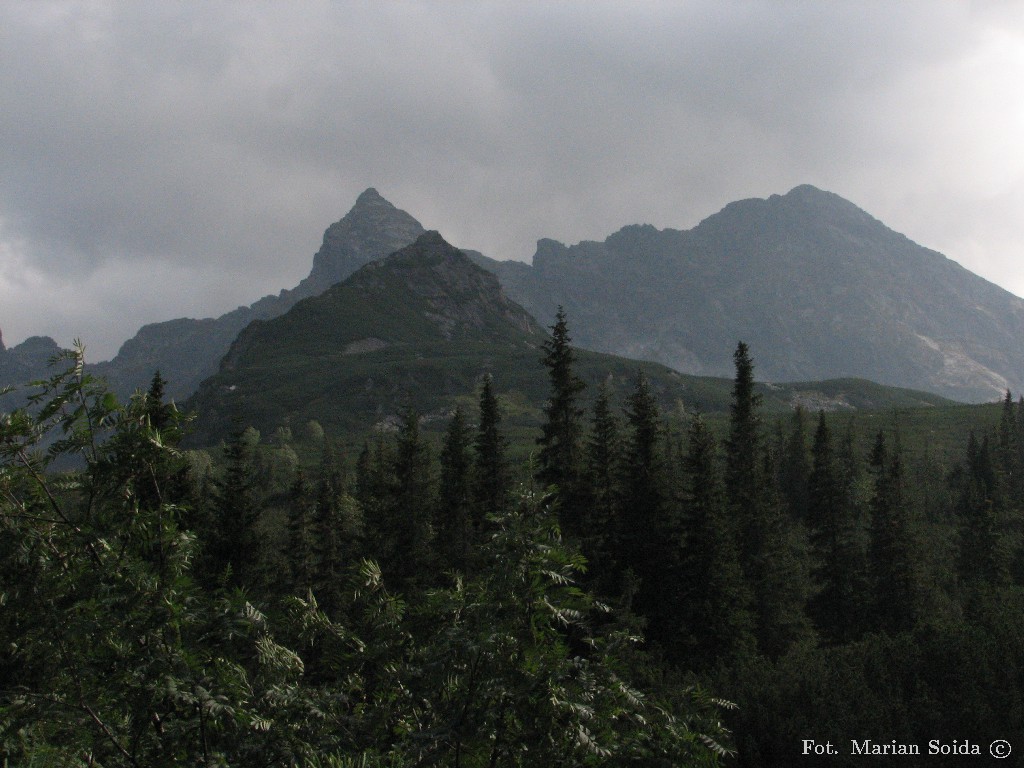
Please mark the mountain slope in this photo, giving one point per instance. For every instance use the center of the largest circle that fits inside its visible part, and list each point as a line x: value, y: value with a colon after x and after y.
x: 420, y: 328
x: 22, y: 363
x: 816, y: 286
x: 187, y: 350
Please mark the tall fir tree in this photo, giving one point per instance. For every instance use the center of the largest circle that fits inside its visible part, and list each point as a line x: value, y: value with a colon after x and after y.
x: 337, y: 529
x: 840, y: 558
x: 490, y: 465
x: 1016, y: 487
x: 299, y: 552
x: 233, y: 549
x: 165, y: 425
x: 983, y: 557
x: 559, y: 461
x: 603, y: 473
x: 644, y: 479
x: 795, y: 467
x: 892, y: 555
x: 772, y: 552
x: 649, y: 533
x: 454, y: 517
x: 408, y: 531
x: 780, y: 572
x: 716, y: 616
x: 158, y: 411
x: 1008, y: 449
x: 744, y: 484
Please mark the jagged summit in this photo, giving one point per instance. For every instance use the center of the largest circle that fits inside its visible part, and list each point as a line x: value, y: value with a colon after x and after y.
x: 186, y: 351
x: 370, y: 196
x: 372, y: 229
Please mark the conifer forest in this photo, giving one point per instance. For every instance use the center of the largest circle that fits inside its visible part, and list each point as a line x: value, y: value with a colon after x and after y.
x: 624, y: 587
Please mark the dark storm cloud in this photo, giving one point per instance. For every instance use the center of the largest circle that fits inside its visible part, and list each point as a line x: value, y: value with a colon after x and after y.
x: 181, y: 158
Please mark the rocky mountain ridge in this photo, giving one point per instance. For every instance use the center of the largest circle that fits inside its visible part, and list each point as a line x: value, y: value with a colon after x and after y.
x: 420, y: 329
x: 817, y: 287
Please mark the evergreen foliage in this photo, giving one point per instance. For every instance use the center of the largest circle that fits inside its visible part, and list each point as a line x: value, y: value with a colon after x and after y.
x: 254, y: 605
x: 233, y: 547
x: 559, y: 461
x: 454, y: 519
x: 795, y: 468
x: 716, y: 600
x: 893, y: 555
x: 840, y: 567
x: 405, y: 530
x: 114, y: 655
x: 490, y: 468
x: 649, y: 535
x: 603, y: 472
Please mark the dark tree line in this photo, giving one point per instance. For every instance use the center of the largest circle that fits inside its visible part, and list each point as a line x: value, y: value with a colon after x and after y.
x: 438, y: 604
x: 823, y: 588
x: 162, y: 609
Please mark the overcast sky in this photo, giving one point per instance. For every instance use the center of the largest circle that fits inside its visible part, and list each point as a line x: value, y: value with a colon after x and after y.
x: 163, y: 159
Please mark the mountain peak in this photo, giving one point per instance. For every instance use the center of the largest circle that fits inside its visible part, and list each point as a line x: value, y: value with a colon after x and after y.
x: 432, y: 239
x: 371, y: 230
x: 461, y: 298
x: 807, y: 191
x: 370, y: 196
x: 822, y: 202
x: 426, y: 293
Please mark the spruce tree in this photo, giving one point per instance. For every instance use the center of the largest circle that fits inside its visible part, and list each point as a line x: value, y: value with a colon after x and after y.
x: 642, y: 518
x: 559, y: 459
x: 772, y: 553
x: 716, y: 601
x: 644, y: 481
x: 795, y: 468
x: 453, y: 520
x: 337, y: 529
x: 780, y: 573
x: 982, y: 555
x: 743, y: 481
x: 409, y: 533
x: 1008, y: 450
x: 299, y: 553
x: 603, y: 460
x: 893, y: 566
x: 232, y: 553
x: 490, y: 466
x: 1016, y: 488
x: 165, y: 427
x: 159, y: 412
x: 649, y: 534
x: 840, y: 565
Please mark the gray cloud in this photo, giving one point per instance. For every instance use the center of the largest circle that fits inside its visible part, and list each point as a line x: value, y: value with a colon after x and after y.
x: 167, y: 159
